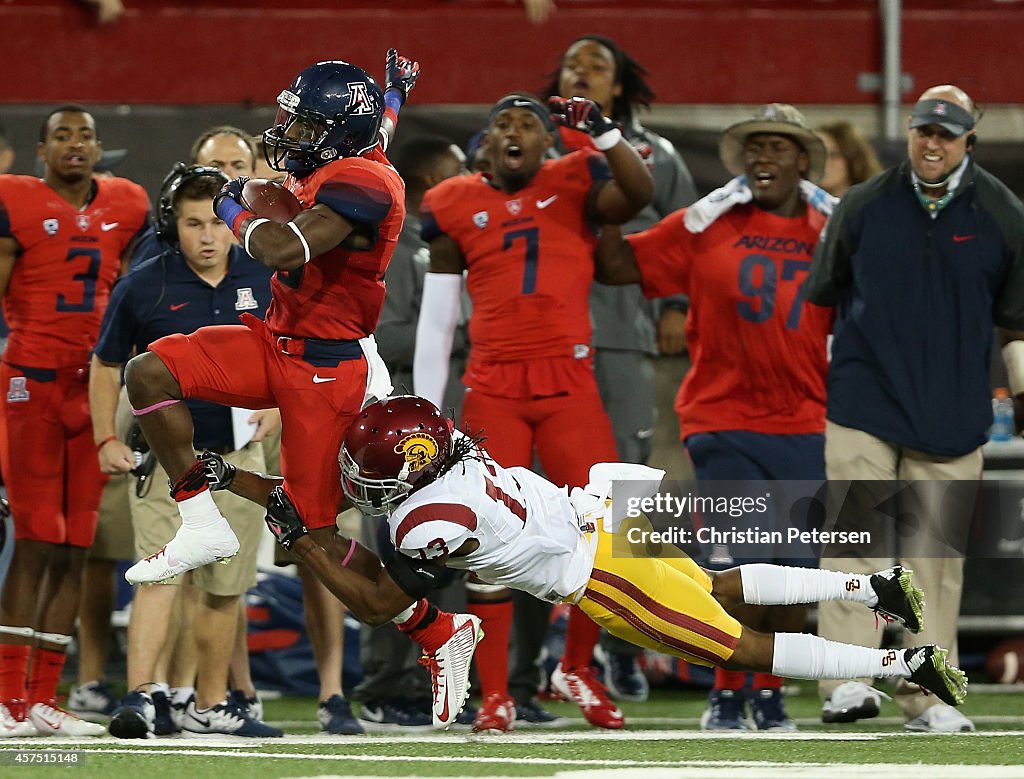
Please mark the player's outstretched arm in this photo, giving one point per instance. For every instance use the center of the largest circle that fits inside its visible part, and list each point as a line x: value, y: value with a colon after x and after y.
x: 401, y: 74
x: 439, y: 312
x: 371, y: 601
x: 631, y: 187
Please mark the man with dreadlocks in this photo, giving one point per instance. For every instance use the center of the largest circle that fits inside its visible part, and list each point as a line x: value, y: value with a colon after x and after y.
x: 449, y: 504
x: 628, y: 331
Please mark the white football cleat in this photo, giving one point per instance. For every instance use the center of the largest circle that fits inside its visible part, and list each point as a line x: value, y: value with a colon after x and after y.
x: 189, y: 549
x: 51, y: 720
x: 449, y: 668
x: 10, y: 725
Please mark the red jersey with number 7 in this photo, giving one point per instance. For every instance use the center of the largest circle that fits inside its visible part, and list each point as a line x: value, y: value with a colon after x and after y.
x: 529, y: 256
x: 757, y: 349
x: 67, y: 262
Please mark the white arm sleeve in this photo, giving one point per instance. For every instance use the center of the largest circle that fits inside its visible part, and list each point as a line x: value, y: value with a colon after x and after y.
x: 439, y: 312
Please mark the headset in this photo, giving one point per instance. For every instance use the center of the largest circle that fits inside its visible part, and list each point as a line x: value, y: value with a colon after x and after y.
x: 166, y: 220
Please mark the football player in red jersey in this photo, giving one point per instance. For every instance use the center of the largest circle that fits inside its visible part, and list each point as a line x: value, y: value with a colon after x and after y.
x: 753, y: 403
x: 64, y: 239
x: 314, y: 357
x: 525, y: 233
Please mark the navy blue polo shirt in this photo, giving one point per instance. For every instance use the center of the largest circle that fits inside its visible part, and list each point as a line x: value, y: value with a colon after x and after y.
x: 163, y: 296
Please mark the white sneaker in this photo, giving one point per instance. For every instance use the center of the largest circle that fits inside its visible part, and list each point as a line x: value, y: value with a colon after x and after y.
x: 189, y: 549
x: 449, y: 667
x: 93, y: 702
x: 10, y: 725
x: 940, y: 718
x: 851, y: 701
x: 50, y: 720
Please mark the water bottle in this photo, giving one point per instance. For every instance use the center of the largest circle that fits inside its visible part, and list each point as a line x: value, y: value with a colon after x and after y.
x: 1002, y: 416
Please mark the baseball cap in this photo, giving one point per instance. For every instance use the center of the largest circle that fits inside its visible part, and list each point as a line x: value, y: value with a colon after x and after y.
x: 778, y: 119
x: 947, y: 115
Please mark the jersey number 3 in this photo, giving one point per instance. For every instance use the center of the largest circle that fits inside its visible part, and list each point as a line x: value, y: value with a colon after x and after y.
x: 87, y: 277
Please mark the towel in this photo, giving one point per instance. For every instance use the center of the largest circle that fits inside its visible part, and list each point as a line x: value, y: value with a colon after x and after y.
x: 705, y: 211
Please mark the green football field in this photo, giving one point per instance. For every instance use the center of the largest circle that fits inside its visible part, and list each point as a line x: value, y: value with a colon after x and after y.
x: 662, y: 740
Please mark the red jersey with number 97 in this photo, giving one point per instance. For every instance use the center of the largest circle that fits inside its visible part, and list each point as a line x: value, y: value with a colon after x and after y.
x: 529, y: 255
x: 339, y: 294
x: 67, y: 262
x: 757, y: 349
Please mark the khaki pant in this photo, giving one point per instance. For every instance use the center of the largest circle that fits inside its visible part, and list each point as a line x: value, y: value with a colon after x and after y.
x: 155, y: 519
x: 855, y: 455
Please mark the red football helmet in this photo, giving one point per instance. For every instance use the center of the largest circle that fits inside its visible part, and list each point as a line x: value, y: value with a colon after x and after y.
x: 393, y: 446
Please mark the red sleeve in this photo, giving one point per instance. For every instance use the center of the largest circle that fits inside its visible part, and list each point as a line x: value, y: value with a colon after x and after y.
x: 663, y: 252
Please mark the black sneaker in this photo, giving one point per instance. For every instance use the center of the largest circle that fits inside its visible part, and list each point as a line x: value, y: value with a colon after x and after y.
x: 134, y: 717
x: 622, y: 676
x: 467, y: 716
x: 726, y: 711
x: 532, y: 715
x: 396, y: 714
x: 163, y: 723
x: 769, y: 713
x: 898, y: 598
x: 336, y: 717
x: 930, y: 670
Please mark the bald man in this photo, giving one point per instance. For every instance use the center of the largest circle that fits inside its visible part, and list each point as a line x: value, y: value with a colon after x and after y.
x: 922, y: 262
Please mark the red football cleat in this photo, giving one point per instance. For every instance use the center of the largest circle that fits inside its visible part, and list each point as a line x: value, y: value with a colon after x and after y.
x: 496, y: 715
x: 580, y: 686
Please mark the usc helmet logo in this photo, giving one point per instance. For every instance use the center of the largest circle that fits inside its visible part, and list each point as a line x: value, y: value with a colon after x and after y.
x: 419, y: 450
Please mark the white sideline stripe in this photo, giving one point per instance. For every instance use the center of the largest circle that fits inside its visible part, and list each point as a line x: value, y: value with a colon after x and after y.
x: 180, y: 745
x: 702, y: 769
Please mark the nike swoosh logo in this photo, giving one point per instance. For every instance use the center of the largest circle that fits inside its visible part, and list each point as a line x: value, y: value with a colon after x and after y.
x: 321, y: 379
x: 522, y: 104
x: 204, y: 723
x: 178, y: 306
x: 108, y: 226
x: 961, y: 238
x: 548, y: 202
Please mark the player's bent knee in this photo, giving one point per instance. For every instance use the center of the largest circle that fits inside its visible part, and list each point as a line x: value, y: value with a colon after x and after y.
x: 146, y: 376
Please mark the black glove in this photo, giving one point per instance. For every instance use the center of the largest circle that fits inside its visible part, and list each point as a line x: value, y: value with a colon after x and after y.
x: 219, y: 472
x: 283, y: 520
x: 580, y: 113
x: 401, y: 74
x: 229, y: 202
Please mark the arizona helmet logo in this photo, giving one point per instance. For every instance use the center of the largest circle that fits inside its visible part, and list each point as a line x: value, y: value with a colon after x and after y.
x: 419, y: 450
x: 358, y: 99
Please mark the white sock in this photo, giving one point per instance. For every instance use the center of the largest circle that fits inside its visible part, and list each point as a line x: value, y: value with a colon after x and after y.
x: 803, y: 656
x: 781, y: 585
x: 180, y: 695
x: 200, y: 511
x: 159, y: 687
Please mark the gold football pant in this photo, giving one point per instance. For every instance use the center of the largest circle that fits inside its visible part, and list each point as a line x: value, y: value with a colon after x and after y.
x: 662, y: 603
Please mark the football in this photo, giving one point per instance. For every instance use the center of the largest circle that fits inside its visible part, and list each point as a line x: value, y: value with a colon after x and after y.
x: 270, y: 200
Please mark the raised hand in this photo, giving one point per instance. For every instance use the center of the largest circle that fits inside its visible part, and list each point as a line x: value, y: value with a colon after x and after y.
x: 580, y: 113
x: 401, y: 73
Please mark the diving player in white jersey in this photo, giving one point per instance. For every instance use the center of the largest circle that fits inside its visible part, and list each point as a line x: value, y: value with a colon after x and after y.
x: 450, y: 504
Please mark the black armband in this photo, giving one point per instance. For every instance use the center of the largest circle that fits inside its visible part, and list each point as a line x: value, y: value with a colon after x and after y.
x: 416, y: 578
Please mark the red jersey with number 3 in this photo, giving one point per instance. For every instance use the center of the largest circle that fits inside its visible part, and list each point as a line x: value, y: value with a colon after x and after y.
x: 339, y: 294
x: 529, y: 255
x: 68, y: 260
x: 758, y: 350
